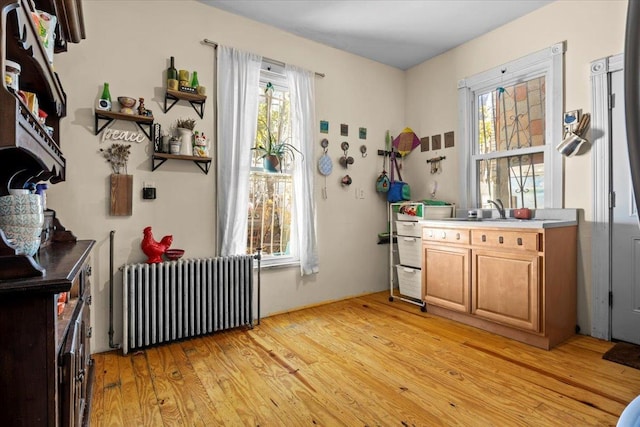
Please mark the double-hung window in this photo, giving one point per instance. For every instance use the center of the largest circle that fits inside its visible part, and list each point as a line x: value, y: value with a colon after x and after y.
x: 271, y: 197
x: 511, y: 123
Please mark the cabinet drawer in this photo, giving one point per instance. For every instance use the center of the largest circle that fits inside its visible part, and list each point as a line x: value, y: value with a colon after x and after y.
x: 448, y: 235
x: 525, y: 240
x: 410, y: 249
x: 408, y: 228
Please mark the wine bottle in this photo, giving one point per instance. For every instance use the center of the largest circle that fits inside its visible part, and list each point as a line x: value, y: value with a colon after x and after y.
x: 194, y: 80
x: 104, y: 103
x: 172, y: 73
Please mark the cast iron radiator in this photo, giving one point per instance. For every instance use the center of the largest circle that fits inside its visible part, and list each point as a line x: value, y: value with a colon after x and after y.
x: 173, y: 300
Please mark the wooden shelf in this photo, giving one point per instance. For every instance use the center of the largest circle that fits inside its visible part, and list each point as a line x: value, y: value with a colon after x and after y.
x: 196, y: 101
x: 202, y: 162
x: 109, y: 116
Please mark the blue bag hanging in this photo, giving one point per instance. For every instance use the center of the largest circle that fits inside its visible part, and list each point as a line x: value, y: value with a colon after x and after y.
x: 398, y: 190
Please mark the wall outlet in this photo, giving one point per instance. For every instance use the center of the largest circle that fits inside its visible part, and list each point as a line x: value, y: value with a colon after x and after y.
x: 359, y: 193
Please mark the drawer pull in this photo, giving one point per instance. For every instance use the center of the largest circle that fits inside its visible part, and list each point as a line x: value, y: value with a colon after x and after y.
x: 519, y: 241
x: 444, y: 235
x: 457, y: 236
x: 501, y: 239
x: 430, y: 233
x: 484, y: 238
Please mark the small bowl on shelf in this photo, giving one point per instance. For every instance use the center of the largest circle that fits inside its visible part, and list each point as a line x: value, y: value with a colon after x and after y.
x: 174, y: 254
x: 126, y: 101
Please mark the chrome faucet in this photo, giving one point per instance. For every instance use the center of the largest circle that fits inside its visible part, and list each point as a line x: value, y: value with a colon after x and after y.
x: 499, y: 206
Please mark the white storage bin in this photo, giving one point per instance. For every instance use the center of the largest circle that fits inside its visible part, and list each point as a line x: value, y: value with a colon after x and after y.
x: 410, y: 281
x: 408, y: 228
x: 410, y: 249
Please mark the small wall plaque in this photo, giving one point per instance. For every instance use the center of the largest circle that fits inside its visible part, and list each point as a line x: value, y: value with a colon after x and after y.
x: 424, y: 144
x: 344, y: 130
x: 448, y: 139
x: 362, y: 133
x: 436, y: 143
x: 324, y: 126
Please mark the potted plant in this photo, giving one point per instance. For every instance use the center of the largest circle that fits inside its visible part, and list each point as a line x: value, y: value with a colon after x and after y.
x: 184, y: 128
x: 275, y: 152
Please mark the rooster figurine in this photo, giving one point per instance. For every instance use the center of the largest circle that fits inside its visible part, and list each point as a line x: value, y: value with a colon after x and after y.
x: 153, y: 249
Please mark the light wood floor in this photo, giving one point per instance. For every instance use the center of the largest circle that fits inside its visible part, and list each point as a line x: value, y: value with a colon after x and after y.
x: 361, y: 362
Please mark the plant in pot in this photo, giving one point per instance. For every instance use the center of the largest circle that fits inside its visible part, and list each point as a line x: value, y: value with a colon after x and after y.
x: 274, y: 152
x: 184, y: 129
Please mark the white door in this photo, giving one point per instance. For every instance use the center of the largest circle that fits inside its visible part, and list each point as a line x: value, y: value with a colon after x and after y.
x: 625, y: 244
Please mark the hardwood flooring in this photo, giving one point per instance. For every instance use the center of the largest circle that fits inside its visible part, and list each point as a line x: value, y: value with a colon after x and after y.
x: 361, y: 362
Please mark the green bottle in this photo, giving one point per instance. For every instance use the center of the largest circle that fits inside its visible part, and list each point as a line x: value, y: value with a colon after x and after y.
x: 105, y: 92
x: 194, y: 80
x: 172, y: 73
x: 104, y: 103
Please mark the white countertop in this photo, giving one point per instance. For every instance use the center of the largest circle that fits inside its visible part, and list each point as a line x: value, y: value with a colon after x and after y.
x: 541, y: 218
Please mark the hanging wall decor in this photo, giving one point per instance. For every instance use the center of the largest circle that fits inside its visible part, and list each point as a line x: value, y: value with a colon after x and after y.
x: 362, y: 133
x: 424, y: 143
x: 448, y: 139
x: 344, y: 130
x: 324, y: 126
x: 435, y: 142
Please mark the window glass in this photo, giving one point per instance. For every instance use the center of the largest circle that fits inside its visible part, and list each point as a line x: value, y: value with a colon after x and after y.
x: 516, y: 180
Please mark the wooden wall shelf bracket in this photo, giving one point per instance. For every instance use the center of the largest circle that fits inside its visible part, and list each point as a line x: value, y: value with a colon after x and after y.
x: 196, y: 101
x: 204, y: 163
x: 143, y: 122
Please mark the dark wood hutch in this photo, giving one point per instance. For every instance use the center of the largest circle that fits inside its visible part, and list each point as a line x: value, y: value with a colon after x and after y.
x: 46, y: 369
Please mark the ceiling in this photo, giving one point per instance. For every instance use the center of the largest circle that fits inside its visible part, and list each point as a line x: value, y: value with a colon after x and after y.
x: 400, y: 33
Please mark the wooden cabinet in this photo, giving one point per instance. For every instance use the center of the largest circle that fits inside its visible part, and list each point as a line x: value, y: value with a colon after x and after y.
x: 46, y: 362
x: 520, y: 283
x: 446, y: 268
x: 29, y: 152
x: 505, y: 288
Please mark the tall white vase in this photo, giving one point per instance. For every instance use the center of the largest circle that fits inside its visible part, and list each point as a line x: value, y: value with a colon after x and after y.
x: 186, y: 136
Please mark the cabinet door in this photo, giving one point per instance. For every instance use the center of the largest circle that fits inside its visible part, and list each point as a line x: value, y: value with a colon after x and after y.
x: 506, y: 288
x: 446, y: 277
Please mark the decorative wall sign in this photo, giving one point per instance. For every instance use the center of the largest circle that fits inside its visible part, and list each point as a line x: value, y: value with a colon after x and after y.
x: 362, y: 133
x: 344, y: 130
x: 436, y: 143
x: 324, y: 126
x: 448, y: 139
x: 424, y: 143
x: 122, y: 135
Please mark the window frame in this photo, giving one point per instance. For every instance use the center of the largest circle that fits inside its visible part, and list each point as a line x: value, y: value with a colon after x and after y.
x: 549, y: 63
x: 275, y: 74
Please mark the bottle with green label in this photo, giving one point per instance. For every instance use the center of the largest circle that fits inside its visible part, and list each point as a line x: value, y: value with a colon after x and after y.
x: 104, y: 103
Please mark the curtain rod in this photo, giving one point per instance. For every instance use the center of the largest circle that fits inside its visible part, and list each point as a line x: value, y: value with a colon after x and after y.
x: 215, y: 45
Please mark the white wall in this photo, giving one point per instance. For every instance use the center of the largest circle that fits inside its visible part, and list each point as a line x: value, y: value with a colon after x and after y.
x: 129, y: 45
x: 592, y: 29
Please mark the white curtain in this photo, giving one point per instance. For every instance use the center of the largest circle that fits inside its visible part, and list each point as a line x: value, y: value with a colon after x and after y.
x: 302, y: 96
x: 238, y: 79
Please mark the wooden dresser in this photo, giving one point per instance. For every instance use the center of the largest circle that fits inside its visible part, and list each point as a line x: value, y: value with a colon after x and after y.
x: 46, y: 369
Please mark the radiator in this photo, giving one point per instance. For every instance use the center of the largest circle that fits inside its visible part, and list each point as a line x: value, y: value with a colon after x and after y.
x: 173, y: 300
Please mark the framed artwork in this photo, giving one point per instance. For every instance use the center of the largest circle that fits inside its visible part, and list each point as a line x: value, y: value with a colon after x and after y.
x: 324, y: 126
x: 424, y: 143
x: 448, y: 139
x: 436, y: 143
x: 362, y: 133
x: 344, y: 130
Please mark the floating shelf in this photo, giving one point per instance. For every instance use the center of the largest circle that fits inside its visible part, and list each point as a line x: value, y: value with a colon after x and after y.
x: 109, y: 116
x: 196, y: 101
x: 202, y: 162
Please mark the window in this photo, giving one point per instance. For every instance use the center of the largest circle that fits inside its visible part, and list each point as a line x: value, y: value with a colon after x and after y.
x: 511, y: 125
x: 270, y: 216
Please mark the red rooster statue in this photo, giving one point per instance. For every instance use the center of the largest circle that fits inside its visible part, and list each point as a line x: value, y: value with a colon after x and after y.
x: 153, y: 249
